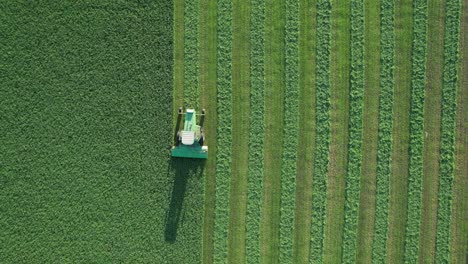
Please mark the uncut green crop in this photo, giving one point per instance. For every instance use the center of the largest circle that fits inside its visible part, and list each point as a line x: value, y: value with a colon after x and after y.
x: 384, y: 149
x: 224, y: 133
x: 418, y: 84
x: 449, y: 94
x: 291, y: 128
x: 323, y: 130
x: 191, y: 53
x: 257, y: 131
x: 353, y: 176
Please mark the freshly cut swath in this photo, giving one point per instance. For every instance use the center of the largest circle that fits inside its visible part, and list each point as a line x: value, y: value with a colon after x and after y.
x: 384, y: 147
x: 224, y: 133
x: 257, y: 132
x: 290, y: 134
x: 353, y: 176
x: 322, y: 139
x: 418, y: 79
x: 191, y: 94
x: 447, y: 148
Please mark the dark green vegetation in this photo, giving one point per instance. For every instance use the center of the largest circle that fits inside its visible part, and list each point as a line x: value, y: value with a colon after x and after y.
x: 336, y: 131
x: 86, y: 126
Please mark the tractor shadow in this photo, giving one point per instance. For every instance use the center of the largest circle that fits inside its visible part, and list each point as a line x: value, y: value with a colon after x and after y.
x: 182, y: 169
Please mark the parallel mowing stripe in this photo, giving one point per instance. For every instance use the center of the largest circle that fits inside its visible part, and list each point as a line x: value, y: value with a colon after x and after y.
x: 384, y: 150
x: 191, y: 94
x: 449, y: 94
x: 291, y: 128
x: 319, y: 184
x: 257, y: 131
x: 224, y: 133
x: 355, y: 132
x: 418, y: 81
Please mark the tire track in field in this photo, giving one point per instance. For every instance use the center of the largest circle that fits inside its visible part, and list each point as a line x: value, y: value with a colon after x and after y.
x: 307, y: 50
x: 400, y: 134
x: 240, y: 127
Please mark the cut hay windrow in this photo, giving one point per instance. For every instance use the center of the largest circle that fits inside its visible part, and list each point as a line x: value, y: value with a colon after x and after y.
x: 418, y: 83
x: 447, y: 148
x: 353, y: 176
x: 384, y: 149
x: 224, y: 133
x: 290, y: 134
x: 257, y: 131
x: 191, y: 94
x: 322, y: 139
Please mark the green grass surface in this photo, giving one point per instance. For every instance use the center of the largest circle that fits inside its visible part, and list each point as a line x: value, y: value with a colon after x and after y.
x: 400, y: 133
x: 370, y: 130
x: 274, y: 112
x: 305, y: 151
x: 257, y: 131
x: 191, y: 92
x: 335, y: 191
x: 240, y: 127
x: 86, y: 128
x: 432, y: 113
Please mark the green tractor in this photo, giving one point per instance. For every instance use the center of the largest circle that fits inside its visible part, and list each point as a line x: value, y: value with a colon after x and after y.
x: 190, y: 140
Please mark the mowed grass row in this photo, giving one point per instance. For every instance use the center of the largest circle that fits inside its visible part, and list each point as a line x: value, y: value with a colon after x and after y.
x: 207, y: 88
x: 322, y: 139
x: 353, y: 175
x: 370, y: 129
x: 257, y: 131
x: 458, y: 237
x: 224, y: 131
x: 418, y: 79
x: 339, y: 112
x: 432, y: 111
x: 307, y: 50
x: 449, y: 95
x: 274, y: 112
x: 240, y: 128
x: 290, y: 133
x: 191, y: 93
x: 400, y: 134
x: 385, y: 126
x: 179, y: 47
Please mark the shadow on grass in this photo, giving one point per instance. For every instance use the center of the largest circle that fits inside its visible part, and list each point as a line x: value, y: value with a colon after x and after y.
x: 184, y: 169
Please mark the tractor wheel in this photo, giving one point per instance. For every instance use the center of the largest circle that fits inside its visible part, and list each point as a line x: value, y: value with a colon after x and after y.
x: 180, y: 110
x: 203, y: 111
x: 202, y: 139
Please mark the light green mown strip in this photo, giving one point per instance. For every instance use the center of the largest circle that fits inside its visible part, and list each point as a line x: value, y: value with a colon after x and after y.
x: 340, y: 67
x: 257, y: 131
x: 207, y: 88
x: 305, y: 151
x: 353, y: 176
x: 191, y: 93
x: 418, y: 79
x: 274, y: 112
x: 322, y: 130
x: 370, y: 131
x: 385, y: 125
x: 291, y: 127
x: 400, y: 135
x: 240, y: 141
x: 459, y: 226
x: 178, y: 57
x: 432, y: 108
x: 449, y: 95
x: 224, y: 132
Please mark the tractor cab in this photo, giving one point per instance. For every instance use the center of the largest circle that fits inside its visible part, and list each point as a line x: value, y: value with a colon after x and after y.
x: 190, y: 140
